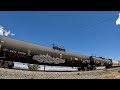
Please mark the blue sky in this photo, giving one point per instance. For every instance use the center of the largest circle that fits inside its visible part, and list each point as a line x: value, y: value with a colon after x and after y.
x: 67, y: 28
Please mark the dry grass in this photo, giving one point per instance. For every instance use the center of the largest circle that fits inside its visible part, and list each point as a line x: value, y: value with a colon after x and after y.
x: 112, y: 75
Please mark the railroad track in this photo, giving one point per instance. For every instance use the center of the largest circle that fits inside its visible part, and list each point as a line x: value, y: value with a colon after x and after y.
x: 62, y: 70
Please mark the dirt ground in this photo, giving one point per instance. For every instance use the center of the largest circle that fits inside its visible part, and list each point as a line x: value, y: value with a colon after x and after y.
x: 112, y: 75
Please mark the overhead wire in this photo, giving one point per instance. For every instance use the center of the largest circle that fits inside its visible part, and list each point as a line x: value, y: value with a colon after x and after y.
x: 99, y: 22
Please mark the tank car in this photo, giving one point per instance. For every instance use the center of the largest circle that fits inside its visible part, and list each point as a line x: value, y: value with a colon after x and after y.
x: 21, y: 51
x: 100, y: 61
x: 115, y: 63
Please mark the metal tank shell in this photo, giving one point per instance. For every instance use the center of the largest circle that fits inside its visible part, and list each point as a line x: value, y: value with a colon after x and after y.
x: 34, y: 49
x: 115, y: 63
x: 102, y: 61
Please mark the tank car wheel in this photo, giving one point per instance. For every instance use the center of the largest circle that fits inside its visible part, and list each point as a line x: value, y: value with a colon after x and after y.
x: 91, y: 68
x: 88, y: 67
x: 10, y: 65
x: 79, y: 69
x: 94, y: 68
x: 106, y: 67
x: 83, y: 68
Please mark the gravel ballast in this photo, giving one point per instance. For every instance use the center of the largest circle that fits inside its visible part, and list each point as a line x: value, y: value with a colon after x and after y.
x: 22, y: 74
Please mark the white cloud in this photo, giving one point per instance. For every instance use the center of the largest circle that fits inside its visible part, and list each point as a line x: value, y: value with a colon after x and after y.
x: 12, y: 34
x: 1, y: 32
x: 7, y: 33
x: 118, y: 20
x: 4, y: 32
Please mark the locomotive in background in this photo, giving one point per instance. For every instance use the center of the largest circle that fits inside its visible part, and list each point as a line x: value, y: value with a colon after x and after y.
x: 19, y: 51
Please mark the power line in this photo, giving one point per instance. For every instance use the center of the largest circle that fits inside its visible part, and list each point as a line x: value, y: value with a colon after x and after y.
x: 100, y: 22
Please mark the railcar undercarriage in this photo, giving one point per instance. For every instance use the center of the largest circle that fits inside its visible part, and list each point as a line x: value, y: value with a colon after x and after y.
x: 6, y: 64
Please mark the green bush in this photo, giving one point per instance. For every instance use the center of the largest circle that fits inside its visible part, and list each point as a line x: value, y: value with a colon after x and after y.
x: 33, y: 67
x: 119, y: 71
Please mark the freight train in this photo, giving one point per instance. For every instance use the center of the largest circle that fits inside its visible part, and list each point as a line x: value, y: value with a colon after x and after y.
x: 20, y: 51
